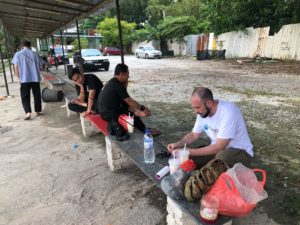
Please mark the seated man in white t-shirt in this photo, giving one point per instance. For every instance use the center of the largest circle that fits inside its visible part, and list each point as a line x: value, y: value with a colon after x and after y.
x: 224, y: 124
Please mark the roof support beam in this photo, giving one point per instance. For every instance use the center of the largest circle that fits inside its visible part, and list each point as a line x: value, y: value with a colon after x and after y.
x: 37, y: 8
x: 4, y: 72
x: 120, y: 30
x: 75, y: 2
x: 30, y: 17
x: 43, y: 4
x: 49, y: 19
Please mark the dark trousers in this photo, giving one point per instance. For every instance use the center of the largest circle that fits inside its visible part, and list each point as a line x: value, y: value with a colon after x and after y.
x: 78, y: 108
x: 231, y: 156
x: 138, y: 123
x: 25, y: 96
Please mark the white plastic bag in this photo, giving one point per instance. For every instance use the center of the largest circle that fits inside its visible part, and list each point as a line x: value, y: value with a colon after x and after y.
x: 245, y: 180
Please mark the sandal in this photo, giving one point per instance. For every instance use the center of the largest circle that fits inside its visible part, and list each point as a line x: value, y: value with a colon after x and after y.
x: 27, y: 117
x: 154, y: 132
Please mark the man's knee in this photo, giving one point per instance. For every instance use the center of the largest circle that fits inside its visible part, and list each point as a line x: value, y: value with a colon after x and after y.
x: 233, y: 156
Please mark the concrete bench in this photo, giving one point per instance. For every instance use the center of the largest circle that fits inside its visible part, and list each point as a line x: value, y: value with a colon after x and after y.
x: 52, y: 81
x: 68, y: 98
x: 91, y: 121
x: 122, y: 154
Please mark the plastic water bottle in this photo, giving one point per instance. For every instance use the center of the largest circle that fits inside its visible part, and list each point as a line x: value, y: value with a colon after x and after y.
x: 149, y: 155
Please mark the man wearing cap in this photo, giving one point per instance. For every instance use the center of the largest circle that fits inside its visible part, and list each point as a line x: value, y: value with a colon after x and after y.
x: 88, y: 87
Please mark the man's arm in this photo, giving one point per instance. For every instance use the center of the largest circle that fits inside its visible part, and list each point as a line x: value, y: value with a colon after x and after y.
x: 81, y: 93
x: 210, y: 149
x: 16, y: 70
x: 187, y: 139
x: 90, y: 103
x: 137, y: 108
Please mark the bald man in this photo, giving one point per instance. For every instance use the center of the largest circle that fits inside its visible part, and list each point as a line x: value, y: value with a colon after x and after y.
x: 224, y: 124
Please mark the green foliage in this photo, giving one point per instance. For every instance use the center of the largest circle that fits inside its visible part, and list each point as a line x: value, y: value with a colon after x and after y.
x: 83, y: 44
x: 226, y: 16
x: 1, y: 35
x: 221, y: 16
x: 134, y: 10
x: 146, y: 34
x: 130, y: 11
x: 156, y: 9
x: 109, y: 30
x: 185, y: 8
x: 92, y: 22
x: 178, y: 27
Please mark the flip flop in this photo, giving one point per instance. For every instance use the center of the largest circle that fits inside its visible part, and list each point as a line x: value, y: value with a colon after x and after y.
x: 154, y: 132
x: 28, y: 117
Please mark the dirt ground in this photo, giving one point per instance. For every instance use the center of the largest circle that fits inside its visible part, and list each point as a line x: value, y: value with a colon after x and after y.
x: 44, y: 181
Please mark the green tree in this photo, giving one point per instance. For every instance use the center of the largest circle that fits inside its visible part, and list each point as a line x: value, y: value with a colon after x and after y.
x: 185, y: 8
x: 156, y: 10
x: 92, y: 22
x: 223, y: 16
x: 109, y: 30
x: 134, y: 10
x: 148, y: 33
x: 83, y: 44
x: 130, y: 11
x: 177, y: 27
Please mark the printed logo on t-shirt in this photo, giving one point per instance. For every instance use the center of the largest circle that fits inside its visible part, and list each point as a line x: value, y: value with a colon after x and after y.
x: 214, y: 130
x: 206, y: 127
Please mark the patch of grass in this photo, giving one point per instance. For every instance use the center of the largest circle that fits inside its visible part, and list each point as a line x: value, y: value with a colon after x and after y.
x: 251, y: 93
x: 293, y: 101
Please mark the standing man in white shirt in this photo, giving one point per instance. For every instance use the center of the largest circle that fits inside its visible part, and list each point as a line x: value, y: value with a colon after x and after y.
x: 224, y: 124
x: 27, y: 65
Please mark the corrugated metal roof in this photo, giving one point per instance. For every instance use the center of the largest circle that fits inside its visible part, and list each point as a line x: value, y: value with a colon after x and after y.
x: 40, y: 18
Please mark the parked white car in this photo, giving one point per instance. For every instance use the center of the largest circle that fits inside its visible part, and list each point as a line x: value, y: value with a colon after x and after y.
x: 147, y: 52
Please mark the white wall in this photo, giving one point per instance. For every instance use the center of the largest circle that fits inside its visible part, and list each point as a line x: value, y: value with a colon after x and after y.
x: 283, y: 45
x: 250, y: 43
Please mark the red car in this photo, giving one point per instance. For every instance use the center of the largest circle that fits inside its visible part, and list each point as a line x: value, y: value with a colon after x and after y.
x: 111, y: 51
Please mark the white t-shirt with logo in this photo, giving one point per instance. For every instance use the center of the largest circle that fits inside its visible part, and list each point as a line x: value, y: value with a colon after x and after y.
x: 226, y: 123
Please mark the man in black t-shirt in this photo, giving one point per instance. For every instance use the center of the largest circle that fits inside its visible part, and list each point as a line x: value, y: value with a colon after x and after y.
x: 88, y: 87
x: 114, y: 100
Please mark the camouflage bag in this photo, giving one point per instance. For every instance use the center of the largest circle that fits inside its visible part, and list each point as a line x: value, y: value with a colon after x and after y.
x: 202, y: 180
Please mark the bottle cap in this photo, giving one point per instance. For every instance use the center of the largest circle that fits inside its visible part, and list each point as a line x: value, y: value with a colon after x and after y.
x: 147, y: 131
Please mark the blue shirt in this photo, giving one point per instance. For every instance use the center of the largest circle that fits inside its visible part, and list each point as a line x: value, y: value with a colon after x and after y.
x: 29, y: 64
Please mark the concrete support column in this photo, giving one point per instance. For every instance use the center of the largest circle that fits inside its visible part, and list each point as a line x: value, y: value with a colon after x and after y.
x: 116, y: 159
x: 176, y: 216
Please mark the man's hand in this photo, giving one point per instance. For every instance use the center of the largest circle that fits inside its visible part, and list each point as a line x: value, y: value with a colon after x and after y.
x: 144, y: 113
x: 88, y: 112
x: 172, y: 147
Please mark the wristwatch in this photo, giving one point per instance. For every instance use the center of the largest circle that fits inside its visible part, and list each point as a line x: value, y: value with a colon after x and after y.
x: 142, y: 108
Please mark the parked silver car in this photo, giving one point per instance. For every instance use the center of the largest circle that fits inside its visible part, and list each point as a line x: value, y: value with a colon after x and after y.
x: 147, y: 52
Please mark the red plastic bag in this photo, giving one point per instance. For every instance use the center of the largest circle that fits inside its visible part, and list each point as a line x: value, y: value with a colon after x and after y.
x: 231, y: 203
x: 122, y: 120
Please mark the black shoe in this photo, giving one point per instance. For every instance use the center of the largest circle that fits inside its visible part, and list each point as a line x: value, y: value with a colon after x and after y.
x: 110, y: 130
x: 123, y: 138
x: 116, y: 129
